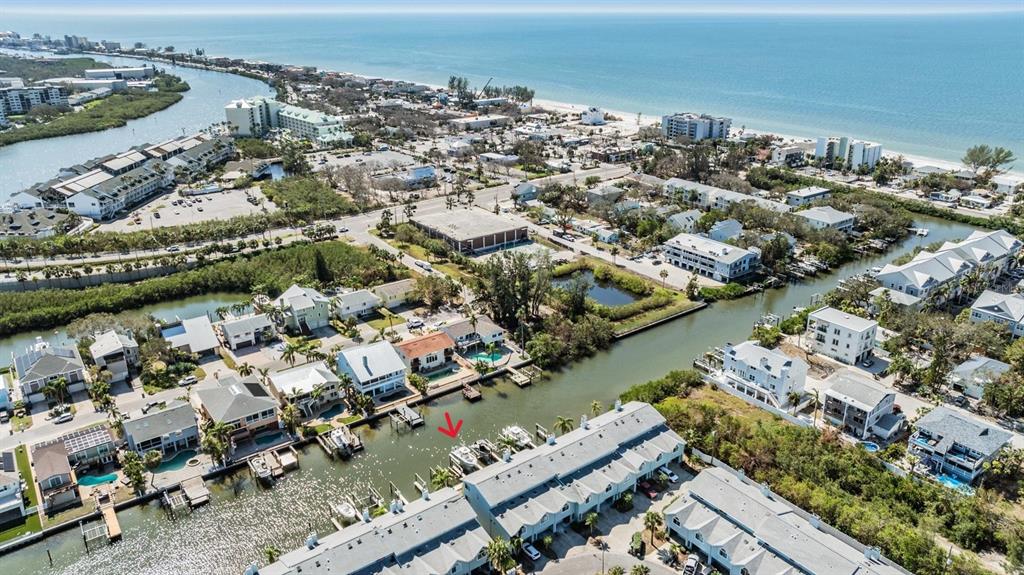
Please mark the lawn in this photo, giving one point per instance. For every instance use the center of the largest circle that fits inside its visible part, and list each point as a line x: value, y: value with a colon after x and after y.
x: 32, y: 523
x: 21, y: 423
x: 384, y: 321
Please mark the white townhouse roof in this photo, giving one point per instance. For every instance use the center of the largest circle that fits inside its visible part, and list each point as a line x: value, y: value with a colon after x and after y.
x: 839, y: 317
x: 750, y: 353
x: 109, y: 342
x: 955, y: 258
x: 717, y: 251
x: 856, y: 390
x: 247, y: 324
x: 359, y: 299
x: 826, y: 215
x: 1009, y: 307
x: 809, y: 192
x: 298, y: 297
x: 374, y: 360
x: 174, y: 417
x: 302, y: 379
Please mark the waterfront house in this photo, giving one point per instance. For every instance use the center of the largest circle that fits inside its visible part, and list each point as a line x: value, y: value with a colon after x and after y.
x: 304, y: 309
x: 807, y: 195
x: 721, y: 262
x: 309, y: 387
x: 395, y: 294
x: 828, y: 218
x: 426, y: 353
x: 955, y: 444
x: 1004, y: 309
x: 165, y: 427
x: 89, y: 446
x: 972, y: 376
x: 58, y: 485
x: 115, y: 352
x: 538, y: 491
x: 684, y: 221
x: 375, y: 369
x: 766, y: 375
x: 860, y: 407
x: 241, y: 402
x: 725, y: 230
x: 438, y: 533
x: 469, y: 334
x: 741, y: 527
x: 41, y: 364
x: 193, y: 335
x: 356, y: 303
x: 247, y: 331
x: 12, y: 499
x: 843, y: 337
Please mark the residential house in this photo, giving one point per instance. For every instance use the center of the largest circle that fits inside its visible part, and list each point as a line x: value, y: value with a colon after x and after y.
x: 860, y: 407
x: 437, y: 533
x: 525, y: 192
x: 767, y: 375
x: 972, y: 376
x: 12, y: 498
x: 537, y: 491
x: 956, y: 444
x: 375, y: 369
x: 719, y: 261
x: 304, y: 309
x: 843, y: 337
x: 247, y: 331
x: 89, y: 446
x: 395, y: 294
x: 193, y: 335
x: 807, y: 195
x: 1004, y: 309
x: 725, y: 230
x: 58, y: 485
x: 356, y: 303
x: 470, y: 334
x: 115, y: 352
x: 685, y: 221
x: 240, y: 402
x: 827, y: 217
x: 309, y: 387
x: 605, y: 195
x: 41, y: 364
x: 427, y: 352
x: 168, y: 428
x: 743, y: 528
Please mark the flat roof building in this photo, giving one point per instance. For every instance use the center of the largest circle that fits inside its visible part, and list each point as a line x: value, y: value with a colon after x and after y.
x: 719, y: 261
x: 472, y: 231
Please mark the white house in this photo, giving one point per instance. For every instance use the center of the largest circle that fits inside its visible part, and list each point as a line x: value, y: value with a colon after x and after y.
x: 41, y: 364
x: 827, y: 217
x: 684, y: 221
x: 807, y: 195
x: 841, y: 336
x: 592, y: 117
x: 194, y: 335
x: 247, y: 331
x: 716, y: 260
x: 305, y: 309
x: 860, y: 407
x: 972, y: 376
x: 767, y: 375
x: 395, y: 294
x: 167, y: 428
x: 1004, y: 309
x: 310, y: 387
x: 356, y: 303
x: 725, y: 230
x: 375, y: 369
x: 12, y: 502
x: 116, y: 352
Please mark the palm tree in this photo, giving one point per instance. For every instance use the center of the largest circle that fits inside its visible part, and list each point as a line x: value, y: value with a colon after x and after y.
x: 564, y: 425
x: 640, y: 569
x: 245, y: 370
x: 264, y: 372
x: 617, y: 570
x: 664, y: 276
x: 499, y: 554
x: 793, y: 398
x: 217, y: 440
x: 596, y: 408
x: 441, y: 477
x: 290, y: 417
x: 56, y: 389
x: 590, y: 520
x: 652, y: 521
x: 291, y: 351
x: 272, y: 553
x: 492, y: 350
x: 614, y: 251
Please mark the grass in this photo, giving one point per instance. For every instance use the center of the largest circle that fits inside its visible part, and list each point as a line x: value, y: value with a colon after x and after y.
x: 21, y: 423
x: 21, y: 458
x: 384, y: 321
x: 322, y: 428
x: 228, y: 360
x: 710, y: 395
x: 200, y: 373
x: 420, y: 253
x: 351, y: 419
x: 32, y: 523
x: 680, y: 304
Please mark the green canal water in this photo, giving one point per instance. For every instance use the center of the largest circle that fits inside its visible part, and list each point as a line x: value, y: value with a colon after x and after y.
x: 243, y: 519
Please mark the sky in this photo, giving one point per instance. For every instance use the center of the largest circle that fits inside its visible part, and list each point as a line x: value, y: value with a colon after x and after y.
x: 511, y: 6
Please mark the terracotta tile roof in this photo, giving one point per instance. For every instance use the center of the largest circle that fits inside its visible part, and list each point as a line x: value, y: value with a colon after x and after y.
x: 424, y: 344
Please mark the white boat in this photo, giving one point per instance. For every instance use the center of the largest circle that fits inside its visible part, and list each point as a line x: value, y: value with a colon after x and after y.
x: 345, y: 510
x: 465, y: 458
x: 922, y: 231
x: 339, y: 439
x: 517, y: 434
x: 260, y: 468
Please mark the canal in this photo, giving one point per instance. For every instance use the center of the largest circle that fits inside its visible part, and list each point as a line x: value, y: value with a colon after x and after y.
x: 242, y: 519
x: 27, y: 163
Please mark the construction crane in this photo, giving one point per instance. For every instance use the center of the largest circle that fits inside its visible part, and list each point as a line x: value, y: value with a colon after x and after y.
x: 481, y: 92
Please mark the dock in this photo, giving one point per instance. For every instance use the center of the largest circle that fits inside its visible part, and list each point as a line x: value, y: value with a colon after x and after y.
x: 340, y: 441
x: 519, y: 377
x: 404, y: 414
x: 105, y: 504
x: 471, y: 393
x: 196, y: 492
x: 283, y: 459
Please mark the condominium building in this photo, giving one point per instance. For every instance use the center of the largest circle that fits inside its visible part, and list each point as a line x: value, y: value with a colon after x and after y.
x: 860, y: 407
x: 115, y: 194
x: 853, y: 153
x: 788, y: 156
x: 252, y: 118
x: 255, y: 117
x: 807, y: 195
x: 1004, y: 309
x: 767, y: 375
x: 14, y: 101
x: 954, y: 443
x: 695, y: 127
x: 721, y: 262
x: 537, y: 491
x: 843, y: 337
x: 828, y: 218
x: 743, y: 528
x: 712, y: 198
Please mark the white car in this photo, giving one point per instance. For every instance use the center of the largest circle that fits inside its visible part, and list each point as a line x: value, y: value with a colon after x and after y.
x: 415, y: 323
x: 424, y: 265
x: 188, y: 380
x: 668, y: 473
x: 64, y: 417
x: 531, y: 551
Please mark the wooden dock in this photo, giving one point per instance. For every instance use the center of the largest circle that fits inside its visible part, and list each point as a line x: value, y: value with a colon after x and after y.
x: 196, y: 492
x: 404, y: 414
x: 519, y: 378
x: 105, y: 503
x: 471, y: 393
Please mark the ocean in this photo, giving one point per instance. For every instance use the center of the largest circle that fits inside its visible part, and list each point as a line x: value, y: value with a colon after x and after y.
x: 927, y: 85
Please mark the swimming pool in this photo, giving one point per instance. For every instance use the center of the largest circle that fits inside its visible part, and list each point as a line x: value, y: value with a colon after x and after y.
x: 269, y: 438
x: 177, y: 462
x: 92, y: 480
x: 954, y: 483
x: 486, y: 357
x: 335, y: 410
x: 172, y: 331
x: 870, y: 446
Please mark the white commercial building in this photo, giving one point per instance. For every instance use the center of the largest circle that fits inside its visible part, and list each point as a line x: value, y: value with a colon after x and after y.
x: 375, y: 369
x: 133, y: 73
x: 767, y: 375
x: 721, y: 262
x: 841, y: 336
x: 1004, y: 309
x: 695, y: 127
x: 473, y: 123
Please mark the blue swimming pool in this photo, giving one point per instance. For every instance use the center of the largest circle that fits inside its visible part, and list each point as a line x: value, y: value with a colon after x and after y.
x: 486, y: 357
x: 954, y: 483
x: 91, y: 480
x: 871, y: 446
x: 335, y: 410
x: 269, y: 439
x: 177, y: 462
x: 172, y: 331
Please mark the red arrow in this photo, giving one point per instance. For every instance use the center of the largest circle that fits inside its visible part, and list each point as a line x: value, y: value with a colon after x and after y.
x: 452, y: 430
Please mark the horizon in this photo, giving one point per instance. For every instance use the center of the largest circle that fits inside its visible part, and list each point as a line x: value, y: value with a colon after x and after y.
x: 696, y: 7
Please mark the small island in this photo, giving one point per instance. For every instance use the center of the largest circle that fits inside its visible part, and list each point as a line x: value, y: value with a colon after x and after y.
x: 63, y: 96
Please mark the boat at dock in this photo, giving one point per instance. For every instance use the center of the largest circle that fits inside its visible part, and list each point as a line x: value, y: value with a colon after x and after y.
x: 464, y: 457
x: 345, y: 510
x: 344, y: 442
x: 261, y: 469
x: 485, y: 451
x: 518, y: 435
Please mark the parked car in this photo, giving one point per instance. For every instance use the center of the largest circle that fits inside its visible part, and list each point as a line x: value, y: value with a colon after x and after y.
x: 188, y: 380
x: 867, y: 362
x: 647, y: 489
x: 342, y: 229
x: 668, y: 473
x: 424, y: 265
x: 530, y: 551
x: 692, y: 565
x: 64, y: 417
x: 415, y: 323
x: 961, y: 401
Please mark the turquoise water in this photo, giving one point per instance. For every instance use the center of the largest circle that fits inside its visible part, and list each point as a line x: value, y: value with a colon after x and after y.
x: 870, y: 446
x: 954, y: 483
x: 922, y: 84
x: 334, y: 411
x: 177, y: 462
x: 91, y: 480
x: 269, y: 439
x: 488, y: 357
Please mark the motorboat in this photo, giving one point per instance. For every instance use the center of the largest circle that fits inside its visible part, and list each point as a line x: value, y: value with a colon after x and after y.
x: 464, y: 456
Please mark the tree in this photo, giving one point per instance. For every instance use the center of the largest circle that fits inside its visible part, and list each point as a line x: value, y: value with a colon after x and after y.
x: 217, y: 441
x: 290, y: 417
x: 385, y: 223
x: 56, y: 389
x: 272, y: 553
x: 322, y: 271
x: 441, y: 477
x: 152, y: 459
x: 292, y: 350
x: 499, y: 554
x: 134, y: 470
x: 419, y: 383
x: 596, y: 408
x: 513, y: 285
x: 294, y: 160
x: 640, y: 569
x: 652, y: 521
x: 984, y: 156
x: 590, y: 521
x: 245, y: 370
x: 564, y: 425
x: 617, y: 570
x: 766, y: 336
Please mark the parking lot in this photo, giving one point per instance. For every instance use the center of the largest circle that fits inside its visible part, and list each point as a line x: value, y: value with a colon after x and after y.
x: 174, y: 210
x: 375, y: 162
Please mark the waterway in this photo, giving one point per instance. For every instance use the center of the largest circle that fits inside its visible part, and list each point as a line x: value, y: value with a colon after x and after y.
x: 27, y: 163
x: 242, y: 519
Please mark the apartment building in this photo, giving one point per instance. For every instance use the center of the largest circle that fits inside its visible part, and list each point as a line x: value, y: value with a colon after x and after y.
x: 1004, y: 309
x: 843, y: 337
x: 695, y: 127
x: 254, y: 117
x: 828, y: 218
x: 807, y: 195
x: 119, y: 193
x: 853, y: 153
x: 719, y: 261
x: 953, y: 443
x: 767, y: 375
x: 19, y: 100
x: 712, y: 198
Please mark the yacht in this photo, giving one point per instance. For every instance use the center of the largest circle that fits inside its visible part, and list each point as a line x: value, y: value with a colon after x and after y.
x: 465, y: 458
x: 517, y: 434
